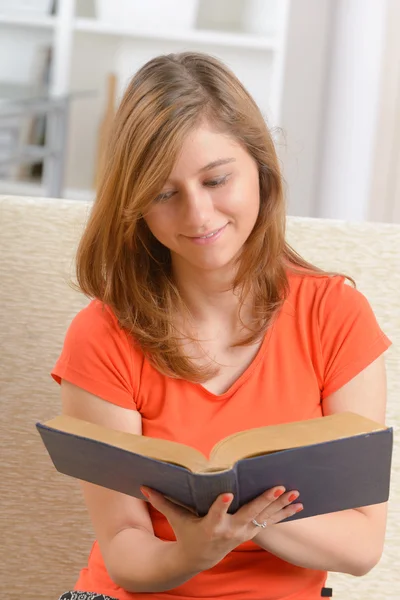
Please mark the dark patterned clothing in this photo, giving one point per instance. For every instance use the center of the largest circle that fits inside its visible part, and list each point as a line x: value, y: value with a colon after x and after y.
x: 84, y: 596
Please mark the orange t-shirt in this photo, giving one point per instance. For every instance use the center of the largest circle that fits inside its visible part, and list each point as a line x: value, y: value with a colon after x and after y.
x: 324, y: 335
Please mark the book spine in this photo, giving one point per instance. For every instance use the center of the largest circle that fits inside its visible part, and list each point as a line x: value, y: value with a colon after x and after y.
x: 206, y: 487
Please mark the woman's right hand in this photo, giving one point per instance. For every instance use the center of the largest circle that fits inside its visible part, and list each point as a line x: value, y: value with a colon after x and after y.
x: 205, y: 541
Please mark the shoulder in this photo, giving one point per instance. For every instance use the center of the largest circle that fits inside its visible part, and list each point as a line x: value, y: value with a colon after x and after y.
x: 96, y: 329
x: 328, y: 304
x: 97, y: 324
x: 308, y: 283
x: 100, y: 356
x: 96, y: 319
x: 322, y: 305
x: 337, y: 326
x: 320, y: 293
x: 331, y: 309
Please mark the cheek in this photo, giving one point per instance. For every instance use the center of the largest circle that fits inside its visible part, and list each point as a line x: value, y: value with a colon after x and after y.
x: 244, y: 199
x: 159, y: 223
x: 152, y: 221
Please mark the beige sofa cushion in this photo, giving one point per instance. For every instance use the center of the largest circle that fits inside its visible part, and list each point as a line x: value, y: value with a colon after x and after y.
x: 46, y: 533
x: 45, y: 530
x: 370, y: 253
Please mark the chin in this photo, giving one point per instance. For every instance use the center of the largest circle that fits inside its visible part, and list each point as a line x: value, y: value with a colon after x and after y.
x: 214, y: 264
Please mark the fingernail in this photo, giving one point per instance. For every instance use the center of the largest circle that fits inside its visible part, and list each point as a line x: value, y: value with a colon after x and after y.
x: 227, y: 498
x: 293, y: 497
x: 299, y: 509
x: 279, y: 493
x: 145, y: 492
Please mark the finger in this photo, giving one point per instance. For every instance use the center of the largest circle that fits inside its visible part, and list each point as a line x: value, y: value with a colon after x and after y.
x: 218, y: 509
x: 250, y: 510
x: 276, y: 507
x: 281, y: 509
x: 279, y: 504
x: 170, y: 510
x: 280, y: 515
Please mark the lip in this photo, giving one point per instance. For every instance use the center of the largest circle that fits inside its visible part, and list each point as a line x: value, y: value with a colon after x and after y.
x: 204, y: 240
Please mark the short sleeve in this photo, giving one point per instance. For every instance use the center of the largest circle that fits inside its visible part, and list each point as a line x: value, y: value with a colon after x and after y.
x: 97, y: 356
x: 350, y: 336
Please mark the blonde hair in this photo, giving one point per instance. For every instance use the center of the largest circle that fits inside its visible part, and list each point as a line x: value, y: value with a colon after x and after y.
x: 121, y: 263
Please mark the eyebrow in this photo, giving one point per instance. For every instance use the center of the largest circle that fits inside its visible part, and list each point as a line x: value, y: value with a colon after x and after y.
x: 217, y: 163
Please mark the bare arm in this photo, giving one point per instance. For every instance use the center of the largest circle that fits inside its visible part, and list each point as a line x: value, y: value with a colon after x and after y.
x: 350, y: 541
x: 135, y: 559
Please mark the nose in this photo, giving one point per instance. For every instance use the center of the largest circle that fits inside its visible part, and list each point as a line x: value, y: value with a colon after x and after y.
x: 198, y: 209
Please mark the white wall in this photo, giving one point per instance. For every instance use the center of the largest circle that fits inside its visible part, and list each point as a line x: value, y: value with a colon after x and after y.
x: 92, y: 59
x: 337, y: 98
x: 350, y: 122
x: 302, y: 100
x: 384, y: 200
x: 296, y: 105
x: 19, y: 56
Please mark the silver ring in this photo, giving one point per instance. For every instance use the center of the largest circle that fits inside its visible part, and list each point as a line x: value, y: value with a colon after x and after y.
x: 257, y: 524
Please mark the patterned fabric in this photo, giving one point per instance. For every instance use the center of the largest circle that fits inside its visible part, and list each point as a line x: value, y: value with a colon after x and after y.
x: 84, y: 596
x: 325, y: 592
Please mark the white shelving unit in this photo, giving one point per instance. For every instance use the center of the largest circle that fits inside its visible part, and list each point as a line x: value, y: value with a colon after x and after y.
x: 30, y: 22
x: 86, y: 49
x: 206, y: 37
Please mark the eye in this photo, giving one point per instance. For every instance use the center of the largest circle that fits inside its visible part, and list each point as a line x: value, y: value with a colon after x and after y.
x: 213, y: 183
x: 163, y: 197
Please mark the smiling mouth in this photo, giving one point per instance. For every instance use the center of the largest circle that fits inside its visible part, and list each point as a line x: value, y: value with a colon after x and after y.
x: 208, y: 235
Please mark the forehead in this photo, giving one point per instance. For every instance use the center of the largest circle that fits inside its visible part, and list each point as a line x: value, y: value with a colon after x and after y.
x: 203, y: 146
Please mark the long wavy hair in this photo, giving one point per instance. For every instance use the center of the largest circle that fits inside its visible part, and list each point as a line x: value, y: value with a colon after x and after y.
x: 120, y: 262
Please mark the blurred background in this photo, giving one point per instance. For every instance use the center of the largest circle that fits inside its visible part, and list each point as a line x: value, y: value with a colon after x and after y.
x: 325, y: 73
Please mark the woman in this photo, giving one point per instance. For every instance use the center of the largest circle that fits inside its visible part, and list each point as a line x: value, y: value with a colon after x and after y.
x: 204, y: 322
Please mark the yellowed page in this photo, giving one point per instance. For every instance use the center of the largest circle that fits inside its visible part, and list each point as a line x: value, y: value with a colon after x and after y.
x: 164, y: 450
x: 273, y: 438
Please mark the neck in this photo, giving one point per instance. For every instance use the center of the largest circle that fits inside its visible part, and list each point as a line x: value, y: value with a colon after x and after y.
x: 209, y: 295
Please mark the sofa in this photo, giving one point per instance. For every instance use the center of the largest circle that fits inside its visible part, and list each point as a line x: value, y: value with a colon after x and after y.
x: 46, y: 532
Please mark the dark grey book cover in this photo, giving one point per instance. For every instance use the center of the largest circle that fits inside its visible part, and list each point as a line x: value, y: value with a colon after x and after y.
x: 332, y: 476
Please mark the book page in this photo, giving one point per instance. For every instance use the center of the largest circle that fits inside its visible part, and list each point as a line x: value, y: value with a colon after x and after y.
x: 274, y: 438
x: 163, y: 450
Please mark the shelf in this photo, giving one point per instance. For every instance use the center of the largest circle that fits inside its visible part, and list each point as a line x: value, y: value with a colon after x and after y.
x: 36, y: 189
x: 94, y: 26
x: 34, y: 22
x: 27, y: 155
x: 21, y: 188
x: 213, y: 38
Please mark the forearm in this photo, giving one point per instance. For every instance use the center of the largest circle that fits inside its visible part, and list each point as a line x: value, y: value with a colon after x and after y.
x: 346, y: 542
x: 138, y: 561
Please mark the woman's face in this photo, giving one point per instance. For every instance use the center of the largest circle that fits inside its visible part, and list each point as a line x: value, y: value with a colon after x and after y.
x: 210, y: 203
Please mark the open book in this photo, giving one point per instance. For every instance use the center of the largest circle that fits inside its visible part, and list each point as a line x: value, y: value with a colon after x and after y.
x: 337, y: 462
